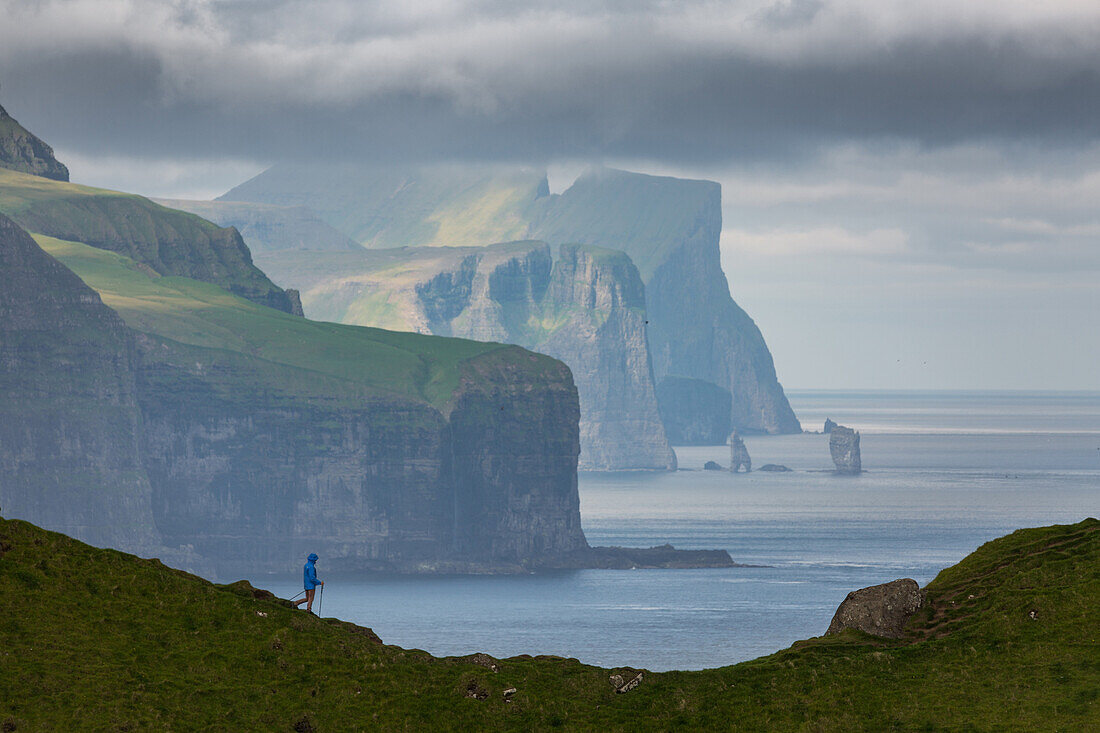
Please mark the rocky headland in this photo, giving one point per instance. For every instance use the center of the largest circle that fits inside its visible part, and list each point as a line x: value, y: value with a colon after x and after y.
x: 586, y: 307
x: 697, y: 336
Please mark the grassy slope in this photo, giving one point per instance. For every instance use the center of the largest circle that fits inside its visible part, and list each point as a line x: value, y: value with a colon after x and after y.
x: 96, y: 639
x: 194, y: 313
x: 388, y: 207
x: 20, y: 191
x: 172, y: 242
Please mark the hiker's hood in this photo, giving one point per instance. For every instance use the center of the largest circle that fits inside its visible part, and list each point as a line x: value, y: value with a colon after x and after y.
x: 313, y: 557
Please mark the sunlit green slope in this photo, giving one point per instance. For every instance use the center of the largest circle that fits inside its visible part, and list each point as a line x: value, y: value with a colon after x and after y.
x: 300, y: 356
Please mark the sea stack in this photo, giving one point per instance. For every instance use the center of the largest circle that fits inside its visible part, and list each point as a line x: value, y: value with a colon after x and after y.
x: 829, y: 425
x: 739, y: 454
x: 844, y: 447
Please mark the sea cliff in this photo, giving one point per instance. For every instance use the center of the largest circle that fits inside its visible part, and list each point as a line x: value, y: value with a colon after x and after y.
x: 668, y: 227
x: 587, y: 308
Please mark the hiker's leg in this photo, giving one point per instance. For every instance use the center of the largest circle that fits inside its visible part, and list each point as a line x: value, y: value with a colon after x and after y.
x: 309, y: 598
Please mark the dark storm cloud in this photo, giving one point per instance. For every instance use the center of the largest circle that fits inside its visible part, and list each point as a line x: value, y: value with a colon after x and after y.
x: 689, y: 82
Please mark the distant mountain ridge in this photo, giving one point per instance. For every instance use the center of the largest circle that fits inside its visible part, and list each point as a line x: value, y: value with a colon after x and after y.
x: 268, y: 227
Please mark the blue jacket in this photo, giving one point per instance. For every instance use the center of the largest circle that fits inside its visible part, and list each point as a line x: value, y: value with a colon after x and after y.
x: 309, y: 573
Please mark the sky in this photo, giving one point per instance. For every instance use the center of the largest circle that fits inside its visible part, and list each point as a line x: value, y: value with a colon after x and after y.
x: 910, y: 189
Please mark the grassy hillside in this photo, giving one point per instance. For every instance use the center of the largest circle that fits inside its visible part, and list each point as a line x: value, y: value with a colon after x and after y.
x: 191, y: 313
x: 96, y: 639
x: 168, y: 241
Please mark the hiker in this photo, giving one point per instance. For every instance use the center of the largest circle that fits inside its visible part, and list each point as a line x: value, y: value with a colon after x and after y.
x: 309, y: 573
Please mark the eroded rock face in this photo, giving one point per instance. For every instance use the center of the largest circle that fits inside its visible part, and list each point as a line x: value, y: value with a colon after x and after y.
x: 844, y: 448
x: 739, y: 454
x: 587, y: 308
x: 881, y: 610
x: 829, y: 425
x: 598, y: 298
x: 670, y: 228
x: 22, y: 151
x: 695, y: 412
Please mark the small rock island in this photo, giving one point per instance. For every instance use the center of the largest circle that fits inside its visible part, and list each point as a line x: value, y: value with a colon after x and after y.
x: 739, y: 454
x: 844, y: 447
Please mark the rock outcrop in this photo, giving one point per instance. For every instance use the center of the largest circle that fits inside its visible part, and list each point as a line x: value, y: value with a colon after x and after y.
x: 829, y: 425
x: 712, y: 466
x: 587, y: 309
x: 844, y: 448
x: 774, y: 468
x: 880, y: 610
x: 695, y: 412
x: 739, y: 454
x: 22, y: 151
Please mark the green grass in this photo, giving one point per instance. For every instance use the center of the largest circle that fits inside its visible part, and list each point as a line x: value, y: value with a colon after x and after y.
x: 199, y: 315
x: 95, y: 639
x: 21, y: 191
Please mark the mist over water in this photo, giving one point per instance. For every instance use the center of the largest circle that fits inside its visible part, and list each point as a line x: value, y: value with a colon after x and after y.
x: 945, y: 472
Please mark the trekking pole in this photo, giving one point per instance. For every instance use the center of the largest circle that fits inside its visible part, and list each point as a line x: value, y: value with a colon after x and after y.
x: 322, y: 597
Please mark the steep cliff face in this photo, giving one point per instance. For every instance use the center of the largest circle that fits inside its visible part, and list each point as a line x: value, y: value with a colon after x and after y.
x: 69, y: 420
x: 587, y: 309
x: 167, y: 241
x: 695, y: 412
x: 670, y: 228
x: 22, y: 151
x: 381, y: 484
x: 513, y: 447
x: 265, y: 436
x: 597, y: 303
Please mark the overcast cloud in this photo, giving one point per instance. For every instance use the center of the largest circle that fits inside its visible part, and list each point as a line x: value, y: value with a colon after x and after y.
x: 689, y: 80
x: 943, y: 152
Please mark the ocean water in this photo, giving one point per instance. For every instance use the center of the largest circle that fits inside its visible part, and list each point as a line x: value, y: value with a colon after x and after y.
x: 944, y: 472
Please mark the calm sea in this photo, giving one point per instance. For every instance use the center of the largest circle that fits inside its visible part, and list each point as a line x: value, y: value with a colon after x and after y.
x: 945, y: 472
